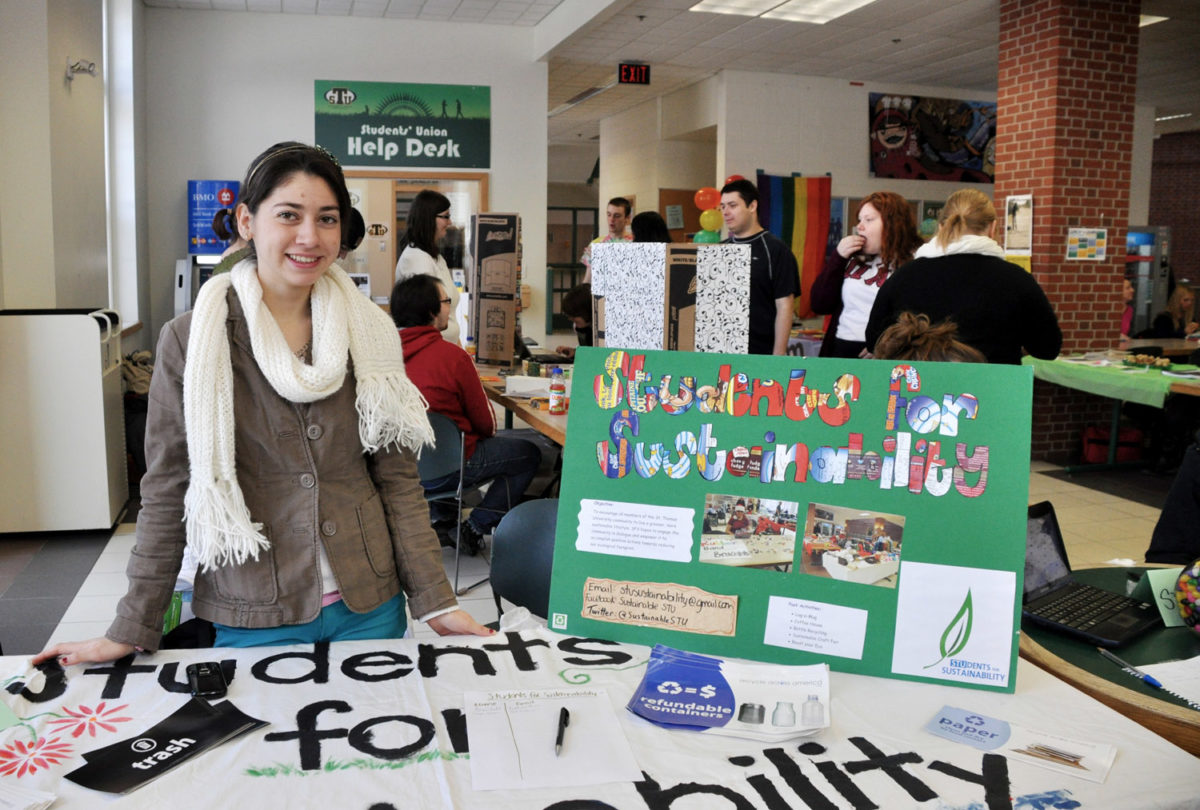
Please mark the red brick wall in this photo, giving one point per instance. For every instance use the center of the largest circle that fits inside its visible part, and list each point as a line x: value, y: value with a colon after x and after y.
x: 1064, y: 133
x: 1173, y: 183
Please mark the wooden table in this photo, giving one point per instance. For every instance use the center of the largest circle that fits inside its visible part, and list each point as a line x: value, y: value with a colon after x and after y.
x: 552, y: 426
x: 1171, y: 347
x: 1077, y: 663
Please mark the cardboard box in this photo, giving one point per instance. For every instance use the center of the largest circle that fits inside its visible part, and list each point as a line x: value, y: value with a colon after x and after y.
x: 679, y: 310
x: 493, y: 287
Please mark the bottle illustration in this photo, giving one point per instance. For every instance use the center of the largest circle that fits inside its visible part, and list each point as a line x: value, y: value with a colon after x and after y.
x: 812, y: 713
x: 784, y: 714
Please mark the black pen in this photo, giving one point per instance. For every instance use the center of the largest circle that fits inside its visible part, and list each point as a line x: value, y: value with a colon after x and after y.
x: 564, y: 720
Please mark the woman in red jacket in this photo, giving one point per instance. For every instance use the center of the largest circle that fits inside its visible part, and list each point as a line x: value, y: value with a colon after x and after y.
x: 445, y: 375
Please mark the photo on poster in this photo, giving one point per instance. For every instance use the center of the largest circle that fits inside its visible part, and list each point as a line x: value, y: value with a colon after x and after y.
x: 850, y: 544
x: 749, y: 532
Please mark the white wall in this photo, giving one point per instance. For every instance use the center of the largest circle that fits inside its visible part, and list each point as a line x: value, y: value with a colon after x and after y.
x: 220, y: 87
x: 52, y: 211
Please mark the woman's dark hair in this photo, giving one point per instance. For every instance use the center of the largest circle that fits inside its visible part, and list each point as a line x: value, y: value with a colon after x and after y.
x: 276, y: 165
x: 648, y: 226
x: 416, y: 301
x: 354, y: 232
x: 422, y: 222
x: 913, y: 337
x: 577, y: 302
x: 224, y: 225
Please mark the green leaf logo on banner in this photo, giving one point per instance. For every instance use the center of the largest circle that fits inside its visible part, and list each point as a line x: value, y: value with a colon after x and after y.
x: 957, y: 633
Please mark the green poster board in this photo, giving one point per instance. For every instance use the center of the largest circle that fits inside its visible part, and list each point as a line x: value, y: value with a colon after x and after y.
x: 405, y: 125
x: 764, y: 508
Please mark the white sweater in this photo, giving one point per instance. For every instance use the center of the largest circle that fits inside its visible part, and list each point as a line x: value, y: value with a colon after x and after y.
x: 414, y: 261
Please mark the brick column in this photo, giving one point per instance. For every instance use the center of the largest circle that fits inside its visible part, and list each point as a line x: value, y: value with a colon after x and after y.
x: 1064, y: 133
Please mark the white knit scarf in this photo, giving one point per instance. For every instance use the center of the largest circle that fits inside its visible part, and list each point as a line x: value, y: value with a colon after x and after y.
x: 967, y: 243
x: 390, y: 408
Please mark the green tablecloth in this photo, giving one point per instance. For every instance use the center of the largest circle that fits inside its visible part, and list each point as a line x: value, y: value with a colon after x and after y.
x: 1145, y: 386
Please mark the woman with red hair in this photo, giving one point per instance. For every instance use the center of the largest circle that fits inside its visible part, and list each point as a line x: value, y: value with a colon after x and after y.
x: 885, y: 238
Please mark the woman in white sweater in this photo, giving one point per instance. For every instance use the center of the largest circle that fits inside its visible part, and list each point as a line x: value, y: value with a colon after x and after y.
x: 428, y: 220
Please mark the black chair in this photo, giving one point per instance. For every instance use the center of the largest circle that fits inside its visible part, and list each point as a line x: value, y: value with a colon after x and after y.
x: 1194, y: 358
x: 523, y: 555
x: 446, y: 457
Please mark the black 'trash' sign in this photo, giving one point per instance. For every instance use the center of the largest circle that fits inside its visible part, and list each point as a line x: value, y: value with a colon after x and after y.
x: 629, y: 73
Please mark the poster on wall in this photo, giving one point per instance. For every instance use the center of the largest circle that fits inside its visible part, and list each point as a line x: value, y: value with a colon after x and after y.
x: 867, y: 514
x: 1087, y: 244
x: 405, y: 125
x: 927, y: 138
x: 1018, y: 224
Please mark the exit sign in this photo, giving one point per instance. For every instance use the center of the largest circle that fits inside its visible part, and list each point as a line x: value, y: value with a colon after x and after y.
x: 628, y: 73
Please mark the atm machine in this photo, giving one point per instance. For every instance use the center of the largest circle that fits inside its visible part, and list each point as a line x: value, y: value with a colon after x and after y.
x: 205, y: 199
x: 1148, y: 266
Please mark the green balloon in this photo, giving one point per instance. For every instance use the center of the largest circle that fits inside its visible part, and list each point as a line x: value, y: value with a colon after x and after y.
x: 709, y: 237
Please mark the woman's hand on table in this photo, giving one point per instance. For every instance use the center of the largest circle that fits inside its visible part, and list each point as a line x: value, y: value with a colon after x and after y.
x: 93, y: 651
x: 458, y: 623
x: 850, y: 245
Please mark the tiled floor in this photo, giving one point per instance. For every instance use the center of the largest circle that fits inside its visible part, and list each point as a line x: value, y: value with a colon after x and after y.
x: 47, y: 592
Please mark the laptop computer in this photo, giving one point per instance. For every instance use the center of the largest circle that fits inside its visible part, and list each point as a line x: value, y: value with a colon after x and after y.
x: 1054, y: 599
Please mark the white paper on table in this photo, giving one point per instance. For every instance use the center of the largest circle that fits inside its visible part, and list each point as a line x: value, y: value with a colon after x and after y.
x: 512, y: 737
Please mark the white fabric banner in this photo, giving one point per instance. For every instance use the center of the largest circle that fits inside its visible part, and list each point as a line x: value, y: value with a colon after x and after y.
x: 379, y: 724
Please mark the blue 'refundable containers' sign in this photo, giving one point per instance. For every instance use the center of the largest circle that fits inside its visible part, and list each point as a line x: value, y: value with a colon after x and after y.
x: 205, y: 199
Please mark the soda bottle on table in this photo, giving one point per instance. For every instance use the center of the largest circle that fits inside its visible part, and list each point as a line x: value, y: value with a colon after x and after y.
x: 558, y: 392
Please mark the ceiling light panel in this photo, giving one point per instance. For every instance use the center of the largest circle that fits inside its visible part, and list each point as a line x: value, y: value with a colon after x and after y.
x: 746, y: 8
x: 814, y: 11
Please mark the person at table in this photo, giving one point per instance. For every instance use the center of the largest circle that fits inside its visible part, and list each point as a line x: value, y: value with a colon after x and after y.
x: 649, y: 226
x: 428, y: 221
x: 1178, y: 320
x: 446, y: 377
x: 1176, y: 537
x: 961, y: 275
x: 577, y: 305
x: 1127, y: 294
x: 738, y: 521
x: 616, y: 213
x: 774, y: 274
x: 280, y: 442
x: 885, y: 238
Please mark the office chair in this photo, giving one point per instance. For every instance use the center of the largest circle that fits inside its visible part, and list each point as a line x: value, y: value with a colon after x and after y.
x: 449, y: 456
x: 523, y: 555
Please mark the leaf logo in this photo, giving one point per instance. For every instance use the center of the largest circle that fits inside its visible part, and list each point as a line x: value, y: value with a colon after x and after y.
x: 957, y: 633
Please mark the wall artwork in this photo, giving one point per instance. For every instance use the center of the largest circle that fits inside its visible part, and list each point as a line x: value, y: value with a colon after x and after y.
x: 927, y: 138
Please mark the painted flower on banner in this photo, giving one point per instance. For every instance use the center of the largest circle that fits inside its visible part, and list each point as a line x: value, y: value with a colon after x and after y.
x: 88, y: 720
x: 20, y: 758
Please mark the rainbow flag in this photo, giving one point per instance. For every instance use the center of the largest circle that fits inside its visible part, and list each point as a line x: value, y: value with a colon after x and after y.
x: 796, y: 209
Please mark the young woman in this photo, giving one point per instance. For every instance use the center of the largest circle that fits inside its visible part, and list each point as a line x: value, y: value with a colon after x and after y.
x: 1179, y: 319
x: 885, y: 238
x: 428, y: 221
x: 446, y: 376
x: 961, y: 275
x: 280, y: 441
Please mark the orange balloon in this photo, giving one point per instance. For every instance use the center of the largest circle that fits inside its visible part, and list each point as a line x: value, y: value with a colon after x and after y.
x: 706, y: 198
x: 733, y: 177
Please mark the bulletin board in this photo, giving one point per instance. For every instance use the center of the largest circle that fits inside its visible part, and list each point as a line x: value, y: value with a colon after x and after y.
x: 869, y: 514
